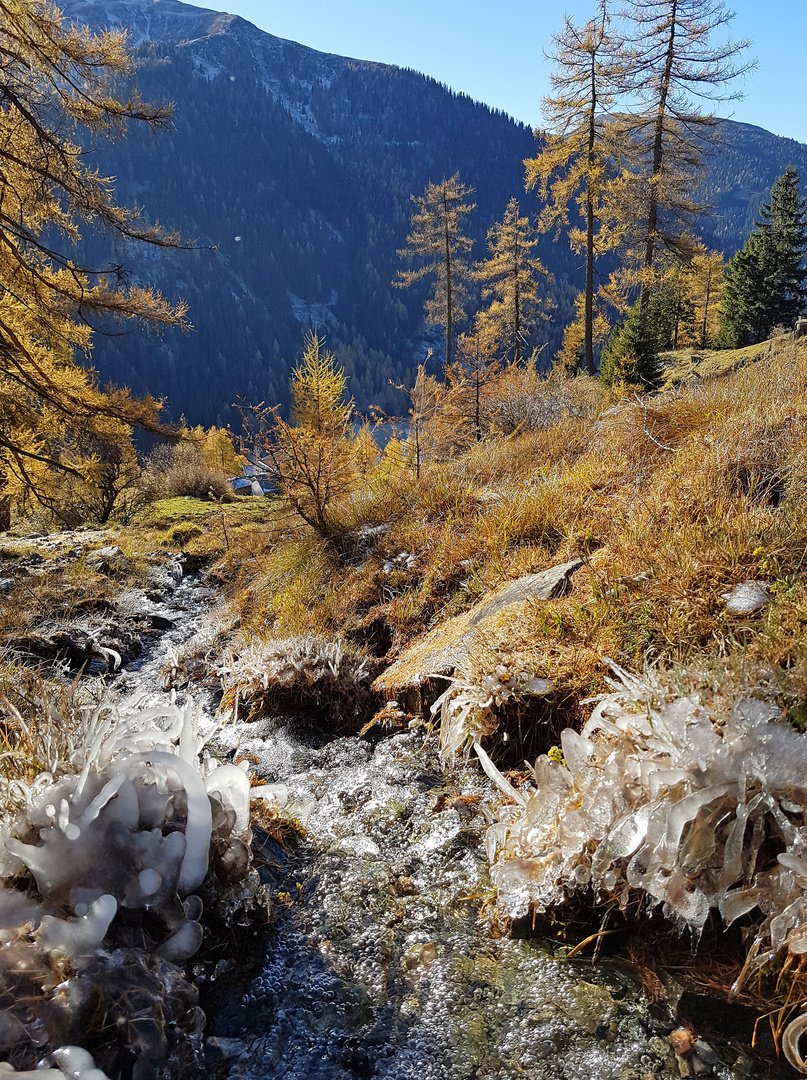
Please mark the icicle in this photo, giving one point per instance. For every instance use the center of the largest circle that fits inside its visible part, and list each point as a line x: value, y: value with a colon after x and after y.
x: 498, y: 779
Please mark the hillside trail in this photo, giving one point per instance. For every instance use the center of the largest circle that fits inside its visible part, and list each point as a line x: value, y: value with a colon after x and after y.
x: 383, y: 958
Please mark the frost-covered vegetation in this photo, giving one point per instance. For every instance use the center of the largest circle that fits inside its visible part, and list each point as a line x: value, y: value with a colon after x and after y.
x: 105, y: 856
x: 668, y: 796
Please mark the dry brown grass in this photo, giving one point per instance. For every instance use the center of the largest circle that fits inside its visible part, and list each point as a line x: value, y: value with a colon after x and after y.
x: 670, y: 499
x: 38, y: 719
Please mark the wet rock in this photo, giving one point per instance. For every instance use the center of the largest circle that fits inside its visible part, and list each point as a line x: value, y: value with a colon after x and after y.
x: 682, y: 1041
x: 108, y: 560
x: 704, y: 1057
x: 76, y: 648
x: 92, y: 652
x: 192, y: 563
x: 591, y: 1006
x: 138, y: 608
x: 219, y: 1050
x: 746, y: 598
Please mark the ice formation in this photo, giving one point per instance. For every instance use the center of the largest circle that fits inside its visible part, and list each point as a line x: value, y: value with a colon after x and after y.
x: 117, y: 839
x: 700, y: 813
x: 74, y: 1064
x: 468, y: 706
x: 300, y: 670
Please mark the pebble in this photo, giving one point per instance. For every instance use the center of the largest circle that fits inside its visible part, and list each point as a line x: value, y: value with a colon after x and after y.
x: 746, y: 598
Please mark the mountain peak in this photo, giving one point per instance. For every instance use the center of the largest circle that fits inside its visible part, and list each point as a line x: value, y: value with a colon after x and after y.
x: 151, y: 20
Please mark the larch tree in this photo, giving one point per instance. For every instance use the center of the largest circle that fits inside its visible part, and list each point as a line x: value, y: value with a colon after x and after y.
x: 509, y: 277
x: 705, y: 284
x: 671, y: 65
x: 312, y: 459
x: 55, y: 89
x: 476, y: 351
x: 437, y: 239
x: 572, y: 167
x: 572, y: 353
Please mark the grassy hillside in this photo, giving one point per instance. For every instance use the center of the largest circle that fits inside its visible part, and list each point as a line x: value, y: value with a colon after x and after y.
x: 669, y: 500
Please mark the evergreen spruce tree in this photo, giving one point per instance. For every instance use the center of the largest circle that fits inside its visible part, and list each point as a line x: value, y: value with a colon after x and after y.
x: 744, y: 301
x: 766, y: 278
x: 631, y: 353
x: 784, y: 232
x: 438, y: 238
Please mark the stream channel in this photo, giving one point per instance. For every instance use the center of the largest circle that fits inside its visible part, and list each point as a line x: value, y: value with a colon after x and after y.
x: 381, y: 959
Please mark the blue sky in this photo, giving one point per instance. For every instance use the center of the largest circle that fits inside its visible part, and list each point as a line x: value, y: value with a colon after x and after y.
x: 494, y: 52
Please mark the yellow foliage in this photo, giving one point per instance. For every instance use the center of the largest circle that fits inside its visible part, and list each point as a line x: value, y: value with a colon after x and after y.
x: 69, y: 451
x: 510, y: 276
x: 365, y: 452
x: 217, y: 450
x: 570, y: 353
x: 393, y: 462
x: 704, y: 285
x: 318, y: 389
x: 313, y: 459
x: 55, y: 82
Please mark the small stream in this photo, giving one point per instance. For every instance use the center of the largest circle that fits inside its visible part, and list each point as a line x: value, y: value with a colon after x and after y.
x: 378, y: 965
x: 383, y: 959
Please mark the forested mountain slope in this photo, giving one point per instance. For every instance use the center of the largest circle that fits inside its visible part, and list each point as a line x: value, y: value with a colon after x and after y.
x: 742, y: 171
x: 292, y: 170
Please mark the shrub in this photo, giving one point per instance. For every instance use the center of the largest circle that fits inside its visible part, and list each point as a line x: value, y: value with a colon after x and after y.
x: 178, y: 469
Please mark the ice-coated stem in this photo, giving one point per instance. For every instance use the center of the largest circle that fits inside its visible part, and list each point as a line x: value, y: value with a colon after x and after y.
x: 498, y: 779
x: 199, y: 825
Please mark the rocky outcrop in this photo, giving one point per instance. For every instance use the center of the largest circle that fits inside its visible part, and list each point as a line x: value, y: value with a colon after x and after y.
x: 446, y: 648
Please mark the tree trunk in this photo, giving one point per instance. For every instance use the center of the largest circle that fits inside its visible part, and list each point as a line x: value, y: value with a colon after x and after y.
x: 658, y: 161
x: 449, y: 328
x: 706, y: 309
x: 5, y: 503
x: 588, y: 312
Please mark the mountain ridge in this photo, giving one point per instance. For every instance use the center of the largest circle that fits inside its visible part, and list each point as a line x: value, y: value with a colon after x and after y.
x: 296, y: 168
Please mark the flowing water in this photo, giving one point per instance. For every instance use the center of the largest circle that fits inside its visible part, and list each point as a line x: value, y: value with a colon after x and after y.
x: 382, y: 959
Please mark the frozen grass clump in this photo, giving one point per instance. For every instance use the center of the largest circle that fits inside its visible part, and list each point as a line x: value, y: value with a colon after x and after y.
x: 102, y: 861
x: 698, y: 812
x: 303, y: 671
x: 470, y: 706
x: 194, y: 660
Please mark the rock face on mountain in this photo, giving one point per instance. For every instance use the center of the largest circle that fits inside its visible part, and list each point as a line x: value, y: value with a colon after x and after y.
x: 290, y: 171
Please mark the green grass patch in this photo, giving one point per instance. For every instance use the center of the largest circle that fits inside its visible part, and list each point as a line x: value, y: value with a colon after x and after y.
x: 166, y: 513
x: 706, y: 364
